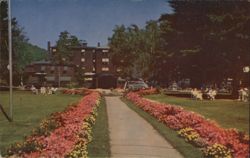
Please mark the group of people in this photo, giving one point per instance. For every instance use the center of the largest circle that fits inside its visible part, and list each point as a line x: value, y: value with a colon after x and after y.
x: 198, y: 95
x: 43, y: 90
x: 243, y: 94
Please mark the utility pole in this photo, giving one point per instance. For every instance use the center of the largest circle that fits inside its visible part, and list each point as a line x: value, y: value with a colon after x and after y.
x: 10, y: 61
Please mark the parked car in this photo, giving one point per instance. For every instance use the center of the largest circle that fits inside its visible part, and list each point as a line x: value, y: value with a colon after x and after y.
x: 135, y: 85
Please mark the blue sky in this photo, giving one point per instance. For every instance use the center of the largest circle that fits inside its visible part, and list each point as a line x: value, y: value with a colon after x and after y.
x: 90, y: 20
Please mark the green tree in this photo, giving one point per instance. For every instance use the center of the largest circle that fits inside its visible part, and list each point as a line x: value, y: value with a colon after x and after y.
x: 63, y: 54
x: 132, y: 48
x: 23, y: 52
x: 121, y: 54
x: 63, y: 45
x: 209, y: 39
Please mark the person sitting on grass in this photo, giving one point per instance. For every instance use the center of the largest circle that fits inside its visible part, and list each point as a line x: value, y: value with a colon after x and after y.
x: 53, y: 90
x: 197, y: 94
x: 43, y: 90
x: 240, y: 94
x: 192, y: 93
x: 49, y: 90
x: 34, y: 90
x: 211, y: 94
x: 245, y: 94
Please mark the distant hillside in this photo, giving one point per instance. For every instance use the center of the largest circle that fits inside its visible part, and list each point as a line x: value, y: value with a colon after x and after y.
x: 27, y: 53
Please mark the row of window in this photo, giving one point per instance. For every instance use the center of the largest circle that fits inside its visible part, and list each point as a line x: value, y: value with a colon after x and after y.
x: 83, y: 50
x: 103, y: 68
x: 52, y: 71
x: 65, y: 68
x: 104, y: 60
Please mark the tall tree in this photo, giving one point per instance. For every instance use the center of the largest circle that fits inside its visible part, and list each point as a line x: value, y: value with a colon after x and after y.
x: 132, y: 48
x: 23, y: 52
x: 121, y: 54
x: 63, y: 54
x: 211, y: 37
x: 63, y: 45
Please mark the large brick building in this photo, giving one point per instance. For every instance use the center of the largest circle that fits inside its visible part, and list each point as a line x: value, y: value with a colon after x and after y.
x: 94, y: 62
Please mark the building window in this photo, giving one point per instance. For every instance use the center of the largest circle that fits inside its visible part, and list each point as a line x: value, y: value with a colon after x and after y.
x: 54, y: 50
x: 83, y: 68
x: 105, y: 51
x: 42, y: 68
x: 65, y: 68
x: 83, y: 50
x: 105, y: 60
x: 82, y: 59
x: 105, y: 69
x: 93, y: 68
x: 88, y: 79
x: 52, y: 68
x: 118, y: 70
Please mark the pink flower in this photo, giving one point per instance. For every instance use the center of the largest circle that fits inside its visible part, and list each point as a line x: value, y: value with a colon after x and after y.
x: 62, y: 140
x: 178, y: 118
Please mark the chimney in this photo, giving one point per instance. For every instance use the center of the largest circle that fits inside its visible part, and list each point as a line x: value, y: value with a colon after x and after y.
x: 84, y: 43
x: 98, y: 44
x: 48, y: 47
x: 49, y: 52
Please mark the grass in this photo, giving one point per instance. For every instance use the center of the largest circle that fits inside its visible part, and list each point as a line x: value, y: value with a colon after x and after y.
x: 186, y: 149
x: 228, y: 113
x: 100, y: 146
x: 28, y: 111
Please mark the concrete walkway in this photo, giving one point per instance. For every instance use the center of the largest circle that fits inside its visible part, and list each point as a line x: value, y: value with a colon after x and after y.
x: 133, y: 137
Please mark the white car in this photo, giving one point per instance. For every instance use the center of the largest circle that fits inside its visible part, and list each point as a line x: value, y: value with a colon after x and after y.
x: 135, y: 85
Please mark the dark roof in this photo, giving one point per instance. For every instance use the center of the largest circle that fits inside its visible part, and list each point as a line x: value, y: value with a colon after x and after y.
x: 41, y: 62
x: 85, y: 47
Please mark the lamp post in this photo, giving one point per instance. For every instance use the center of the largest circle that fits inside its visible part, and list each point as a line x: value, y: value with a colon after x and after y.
x: 10, y: 61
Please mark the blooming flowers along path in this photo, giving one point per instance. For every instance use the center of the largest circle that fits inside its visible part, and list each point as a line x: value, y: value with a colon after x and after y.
x: 217, y: 141
x: 70, y: 137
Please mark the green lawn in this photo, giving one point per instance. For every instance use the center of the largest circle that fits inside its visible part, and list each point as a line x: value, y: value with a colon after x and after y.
x: 186, y: 149
x: 100, y: 146
x: 228, y: 113
x: 28, y: 111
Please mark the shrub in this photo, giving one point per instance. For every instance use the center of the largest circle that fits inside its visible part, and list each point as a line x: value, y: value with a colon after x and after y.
x: 148, y: 91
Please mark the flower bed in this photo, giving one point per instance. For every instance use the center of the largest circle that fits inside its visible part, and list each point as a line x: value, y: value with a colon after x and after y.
x: 195, y: 128
x: 80, y: 91
x: 64, y: 134
x: 148, y: 91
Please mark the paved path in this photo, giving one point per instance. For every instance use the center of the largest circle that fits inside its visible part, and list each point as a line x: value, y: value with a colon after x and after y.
x: 133, y: 137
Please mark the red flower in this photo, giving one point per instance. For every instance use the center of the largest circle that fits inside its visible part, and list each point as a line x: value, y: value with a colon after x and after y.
x: 62, y: 140
x: 178, y: 118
